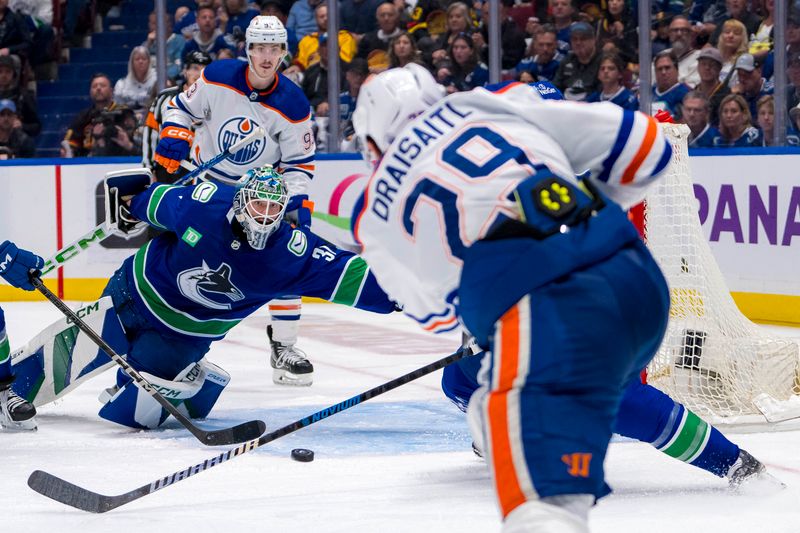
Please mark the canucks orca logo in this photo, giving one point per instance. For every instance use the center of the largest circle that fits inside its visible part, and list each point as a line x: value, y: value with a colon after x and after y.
x: 233, y: 131
x: 203, y: 283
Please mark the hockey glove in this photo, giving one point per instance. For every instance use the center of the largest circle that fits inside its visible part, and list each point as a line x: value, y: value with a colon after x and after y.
x: 120, y: 187
x: 17, y: 265
x: 173, y: 146
x: 299, y: 209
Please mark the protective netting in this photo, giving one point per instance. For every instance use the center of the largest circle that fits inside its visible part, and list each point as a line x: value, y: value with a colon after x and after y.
x: 713, y: 359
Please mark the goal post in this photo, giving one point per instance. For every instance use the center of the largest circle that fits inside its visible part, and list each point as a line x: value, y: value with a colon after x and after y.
x: 713, y: 359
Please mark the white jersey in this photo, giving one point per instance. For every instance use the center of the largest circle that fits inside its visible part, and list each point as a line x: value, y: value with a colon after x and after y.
x: 452, y: 172
x: 228, y: 109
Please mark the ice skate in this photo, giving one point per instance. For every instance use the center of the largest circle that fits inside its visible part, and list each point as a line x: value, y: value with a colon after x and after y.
x: 290, y: 365
x: 16, y: 414
x: 748, y: 474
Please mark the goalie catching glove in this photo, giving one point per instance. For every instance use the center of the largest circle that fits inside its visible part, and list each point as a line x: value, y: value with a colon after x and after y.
x: 119, y: 188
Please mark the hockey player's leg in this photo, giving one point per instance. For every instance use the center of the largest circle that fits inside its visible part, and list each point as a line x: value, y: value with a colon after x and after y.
x: 15, y: 412
x: 195, y: 389
x: 290, y: 364
x: 649, y: 415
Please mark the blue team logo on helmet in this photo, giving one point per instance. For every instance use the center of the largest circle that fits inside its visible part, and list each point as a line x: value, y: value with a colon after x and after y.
x: 233, y: 131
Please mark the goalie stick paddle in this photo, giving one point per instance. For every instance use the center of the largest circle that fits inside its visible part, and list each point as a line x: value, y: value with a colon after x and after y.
x: 221, y: 437
x: 70, y: 494
x: 100, y: 232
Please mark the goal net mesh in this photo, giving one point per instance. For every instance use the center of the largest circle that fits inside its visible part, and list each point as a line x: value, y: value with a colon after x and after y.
x: 713, y: 359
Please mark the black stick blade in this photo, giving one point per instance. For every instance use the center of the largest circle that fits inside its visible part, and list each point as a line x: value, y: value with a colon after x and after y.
x: 241, y: 433
x: 65, y: 492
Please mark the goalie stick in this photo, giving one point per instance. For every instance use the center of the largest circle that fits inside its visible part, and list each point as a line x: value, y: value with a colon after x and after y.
x: 221, y: 437
x: 70, y: 494
x: 100, y: 232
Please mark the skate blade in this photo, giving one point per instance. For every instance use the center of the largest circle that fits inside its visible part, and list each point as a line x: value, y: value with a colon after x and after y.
x: 762, y: 484
x: 19, y: 427
x: 283, y: 377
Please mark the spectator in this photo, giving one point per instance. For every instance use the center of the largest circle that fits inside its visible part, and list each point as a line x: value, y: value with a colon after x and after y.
x: 186, y: 20
x: 577, y: 75
x: 794, y: 114
x: 114, y: 134
x: 736, y: 10
x: 38, y: 15
x: 12, y: 136
x: 134, y: 90
x: 355, y: 74
x: 208, y: 38
x: 388, y: 18
x: 668, y: 92
x: 765, y: 109
x: 315, y: 81
x: 274, y: 8
x: 545, y: 58
x: 465, y: 71
x: 660, y: 33
x: 301, y: 17
x: 793, y: 77
x: 761, y: 41
x: 457, y: 21
x: 377, y: 61
x: 358, y: 16
x: 174, y: 46
x: 680, y: 39
x: 617, y: 31
x: 709, y: 65
x: 696, y: 111
x: 752, y: 86
x: 732, y: 44
x: 735, y: 124
x: 512, y: 39
x: 234, y: 16
x: 307, y: 49
x: 403, y: 50
x: 78, y: 140
x: 562, y: 13
x: 15, y: 38
x: 611, y: 89
x: 24, y: 99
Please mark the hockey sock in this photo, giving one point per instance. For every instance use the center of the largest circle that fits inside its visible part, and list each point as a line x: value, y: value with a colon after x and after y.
x: 285, y: 314
x: 649, y: 415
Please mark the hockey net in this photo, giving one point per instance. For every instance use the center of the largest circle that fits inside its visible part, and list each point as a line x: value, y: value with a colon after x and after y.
x: 713, y: 359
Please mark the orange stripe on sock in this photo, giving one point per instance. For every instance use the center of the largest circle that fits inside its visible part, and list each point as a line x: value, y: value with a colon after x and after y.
x: 509, y: 492
x: 644, y: 150
x: 431, y: 327
x: 284, y: 307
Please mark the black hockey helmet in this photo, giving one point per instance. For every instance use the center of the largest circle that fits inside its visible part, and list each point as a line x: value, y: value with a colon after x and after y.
x: 196, y: 57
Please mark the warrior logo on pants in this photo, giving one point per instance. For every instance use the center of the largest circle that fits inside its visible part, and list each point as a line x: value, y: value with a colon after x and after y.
x: 233, y: 131
x: 196, y: 283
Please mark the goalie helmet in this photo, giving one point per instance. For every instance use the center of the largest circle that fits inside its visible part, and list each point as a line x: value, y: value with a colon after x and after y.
x: 389, y: 101
x: 260, y: 203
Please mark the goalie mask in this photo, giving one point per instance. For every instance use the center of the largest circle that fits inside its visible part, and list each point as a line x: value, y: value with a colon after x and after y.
x: 389, y: 101
x: 259, y: 204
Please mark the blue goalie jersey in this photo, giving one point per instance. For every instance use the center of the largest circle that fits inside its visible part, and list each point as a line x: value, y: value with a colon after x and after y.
x: 200, y: 278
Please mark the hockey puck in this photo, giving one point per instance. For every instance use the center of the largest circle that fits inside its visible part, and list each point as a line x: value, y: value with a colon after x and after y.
x: 303, y: 455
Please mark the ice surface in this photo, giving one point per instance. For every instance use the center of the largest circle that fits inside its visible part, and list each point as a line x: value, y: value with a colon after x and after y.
x: 401, y: 462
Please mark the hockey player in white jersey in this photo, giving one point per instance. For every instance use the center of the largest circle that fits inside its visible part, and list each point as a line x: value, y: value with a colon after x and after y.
x: 474, y: 217
x: 230, y: 99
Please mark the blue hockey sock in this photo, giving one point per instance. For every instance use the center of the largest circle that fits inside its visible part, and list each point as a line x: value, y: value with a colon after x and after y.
x: 649, y: 415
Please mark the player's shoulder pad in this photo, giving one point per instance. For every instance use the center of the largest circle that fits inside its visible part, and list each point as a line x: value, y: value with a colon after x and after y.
x: 228, y: 72
x: 211, y: 191
x: 289, y: 100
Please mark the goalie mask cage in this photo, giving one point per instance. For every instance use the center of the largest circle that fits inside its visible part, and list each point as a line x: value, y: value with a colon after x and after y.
x: 713, y: 359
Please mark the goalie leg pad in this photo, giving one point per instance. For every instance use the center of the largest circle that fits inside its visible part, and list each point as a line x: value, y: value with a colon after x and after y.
x: 62, y: 357
x: 194, y: 391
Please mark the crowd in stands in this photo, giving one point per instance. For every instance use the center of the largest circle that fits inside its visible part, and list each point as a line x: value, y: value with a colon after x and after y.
x: 713, y: 60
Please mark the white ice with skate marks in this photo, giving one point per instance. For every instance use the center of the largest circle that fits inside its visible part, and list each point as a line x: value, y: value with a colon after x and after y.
x: 401, y: 462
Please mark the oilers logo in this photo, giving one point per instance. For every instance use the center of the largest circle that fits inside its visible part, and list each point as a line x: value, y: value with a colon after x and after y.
x: 233, y: 131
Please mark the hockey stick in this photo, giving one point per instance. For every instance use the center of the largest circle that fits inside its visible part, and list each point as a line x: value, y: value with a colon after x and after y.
x: 67, y: 493
x: 100, y: 232
x: 221, y: 437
